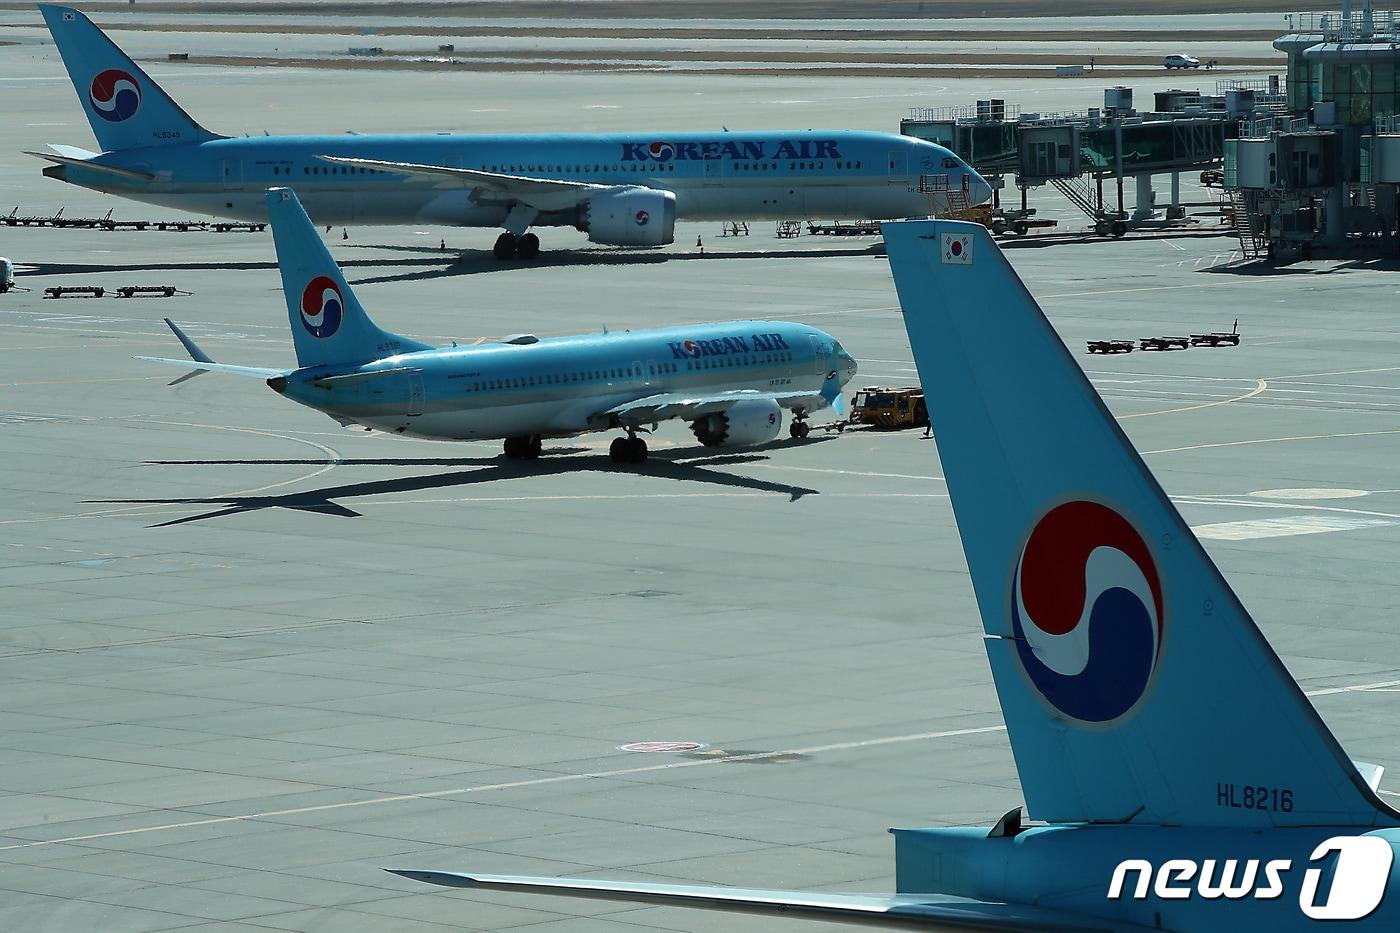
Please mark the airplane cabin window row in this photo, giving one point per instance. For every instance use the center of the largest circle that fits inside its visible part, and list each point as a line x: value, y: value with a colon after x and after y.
x: 590, y: 375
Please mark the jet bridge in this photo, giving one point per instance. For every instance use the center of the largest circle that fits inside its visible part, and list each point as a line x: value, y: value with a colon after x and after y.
x: 1078, y: 152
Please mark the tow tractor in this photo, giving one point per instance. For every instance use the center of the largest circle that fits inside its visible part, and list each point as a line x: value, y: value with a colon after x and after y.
x: 886, y: 408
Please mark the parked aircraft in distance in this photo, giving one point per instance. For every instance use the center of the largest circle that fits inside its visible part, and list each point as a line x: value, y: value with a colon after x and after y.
x: 1183, y: 780
x: 619, y: 189
x: 731, y: 381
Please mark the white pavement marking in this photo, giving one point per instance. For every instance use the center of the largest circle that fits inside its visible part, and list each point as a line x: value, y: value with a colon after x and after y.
x: 511, y: 785
x: 1283, y: 527
x: 1309, y: 492
x: 586, y: 776
x: 1269, y: 440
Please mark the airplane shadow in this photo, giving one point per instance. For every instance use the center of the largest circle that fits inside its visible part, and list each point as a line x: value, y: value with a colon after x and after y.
x: 668, y: 465
x: 477, y: 262
x: 424, y: 263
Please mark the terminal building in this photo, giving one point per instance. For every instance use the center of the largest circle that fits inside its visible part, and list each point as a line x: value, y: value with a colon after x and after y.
x: 1309, y: 162
x: 1321, y: 180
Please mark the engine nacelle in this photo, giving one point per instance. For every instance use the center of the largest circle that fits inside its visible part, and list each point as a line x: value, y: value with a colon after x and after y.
x: 745, y: 423
x: 630, y: 217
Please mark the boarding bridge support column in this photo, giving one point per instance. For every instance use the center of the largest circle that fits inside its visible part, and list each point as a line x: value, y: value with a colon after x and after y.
x: 1335, y: 232
x: 1146, y: 198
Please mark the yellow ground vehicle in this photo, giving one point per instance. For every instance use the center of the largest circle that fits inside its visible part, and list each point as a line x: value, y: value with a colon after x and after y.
x: 888, y: 408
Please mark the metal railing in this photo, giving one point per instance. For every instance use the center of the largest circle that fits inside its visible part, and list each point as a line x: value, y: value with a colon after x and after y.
x: 1359, y: 25
x: 1262, y: 127
x: 959, y: 113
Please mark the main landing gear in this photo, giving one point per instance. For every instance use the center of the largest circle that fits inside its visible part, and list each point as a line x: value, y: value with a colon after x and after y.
x: 799, y: 429
x: 524, y: 448
x: 510, y: 246
x: 629, y: 449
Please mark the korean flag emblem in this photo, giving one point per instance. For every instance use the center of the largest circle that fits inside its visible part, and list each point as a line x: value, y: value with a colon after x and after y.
x: 69, y: 18
x: 957, y: 249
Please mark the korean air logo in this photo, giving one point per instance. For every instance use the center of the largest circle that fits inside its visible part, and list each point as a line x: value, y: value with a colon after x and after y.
x: 115, y: 95
x: 691, y: 348
x: 831, y: 375
x: 643, y: 218
x: 322, y: 308
x: 661, y: 152
x: 1086, y: 610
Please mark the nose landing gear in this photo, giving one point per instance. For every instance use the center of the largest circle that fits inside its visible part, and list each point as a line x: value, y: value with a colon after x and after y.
x: 799, y: 429
x: 629, y: 449
x: 524, y: 448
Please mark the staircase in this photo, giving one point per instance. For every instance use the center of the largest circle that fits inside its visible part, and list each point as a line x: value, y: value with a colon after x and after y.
x: 1079, y: 192
x: 1243, y: 221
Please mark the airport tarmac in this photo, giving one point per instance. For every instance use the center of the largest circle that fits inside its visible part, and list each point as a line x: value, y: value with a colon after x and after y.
x: 253, y: 658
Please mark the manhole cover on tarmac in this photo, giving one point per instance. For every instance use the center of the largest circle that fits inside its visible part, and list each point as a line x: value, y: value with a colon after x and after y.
x: 662, y: 747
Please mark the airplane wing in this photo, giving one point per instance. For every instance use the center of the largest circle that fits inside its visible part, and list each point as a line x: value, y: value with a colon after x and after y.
x: 652, y: 408
x: 200, y: 362
x: 519, y: 186
x: 905, y: 911
x: 256, y: 372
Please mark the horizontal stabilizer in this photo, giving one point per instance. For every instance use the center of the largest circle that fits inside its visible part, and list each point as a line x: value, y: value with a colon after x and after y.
x: 89, y: 164
x: 916, y: 911
x: 256, y: 372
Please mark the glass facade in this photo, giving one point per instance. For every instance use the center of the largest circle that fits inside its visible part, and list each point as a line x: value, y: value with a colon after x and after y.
x: 1362, y: 90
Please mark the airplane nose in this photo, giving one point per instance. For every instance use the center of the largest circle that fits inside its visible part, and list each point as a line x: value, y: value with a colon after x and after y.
x: 848, y: 367
x: 979, y: 192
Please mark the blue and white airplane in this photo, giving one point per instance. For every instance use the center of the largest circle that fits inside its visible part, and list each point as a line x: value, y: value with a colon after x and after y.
x: 1182, y: 780
x: 620, y: 189
x: 731, y: 381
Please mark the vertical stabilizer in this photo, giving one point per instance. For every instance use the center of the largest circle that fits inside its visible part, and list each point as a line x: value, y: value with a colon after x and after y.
x: 1135, y: 686
x: 126, y: 108
x: 329, y: 326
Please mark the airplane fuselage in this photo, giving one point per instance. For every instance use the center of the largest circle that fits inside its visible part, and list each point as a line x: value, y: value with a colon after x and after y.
x: 715, y: 176
x: 561, y: 386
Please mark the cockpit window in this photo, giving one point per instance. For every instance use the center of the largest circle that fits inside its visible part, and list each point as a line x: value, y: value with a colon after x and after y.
x: 952, y: 162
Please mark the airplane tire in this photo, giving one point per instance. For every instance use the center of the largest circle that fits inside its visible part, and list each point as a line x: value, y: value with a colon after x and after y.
x: 618, y: 450
x: 799, y: 430
x: 636, y: 450
x: 528, y: 246
x: 505, y: 247
x: 523, y: 448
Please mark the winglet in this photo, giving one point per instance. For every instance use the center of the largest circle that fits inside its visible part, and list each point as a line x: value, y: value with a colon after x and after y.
x: 192, y: 348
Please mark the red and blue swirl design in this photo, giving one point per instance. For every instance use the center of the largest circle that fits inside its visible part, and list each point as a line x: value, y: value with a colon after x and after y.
x: 322, y: 308
x: 661, y: 152
x: 1086, y: 611
x: 115, y: 95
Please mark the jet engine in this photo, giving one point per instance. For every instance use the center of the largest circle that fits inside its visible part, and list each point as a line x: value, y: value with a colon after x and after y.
x: 630, y: 217
x: 754, y: 421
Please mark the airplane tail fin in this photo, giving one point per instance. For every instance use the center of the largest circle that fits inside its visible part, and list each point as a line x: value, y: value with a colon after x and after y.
x: 126, y: 108
x: 1134, y: 684
x: 329, y: 325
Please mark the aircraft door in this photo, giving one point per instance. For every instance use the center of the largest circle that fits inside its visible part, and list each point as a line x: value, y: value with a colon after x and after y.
x: 714, y: 170
x: 820, y: 351
x: 898, y: 162
x: 415, y: 393
x: 231, y: 174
